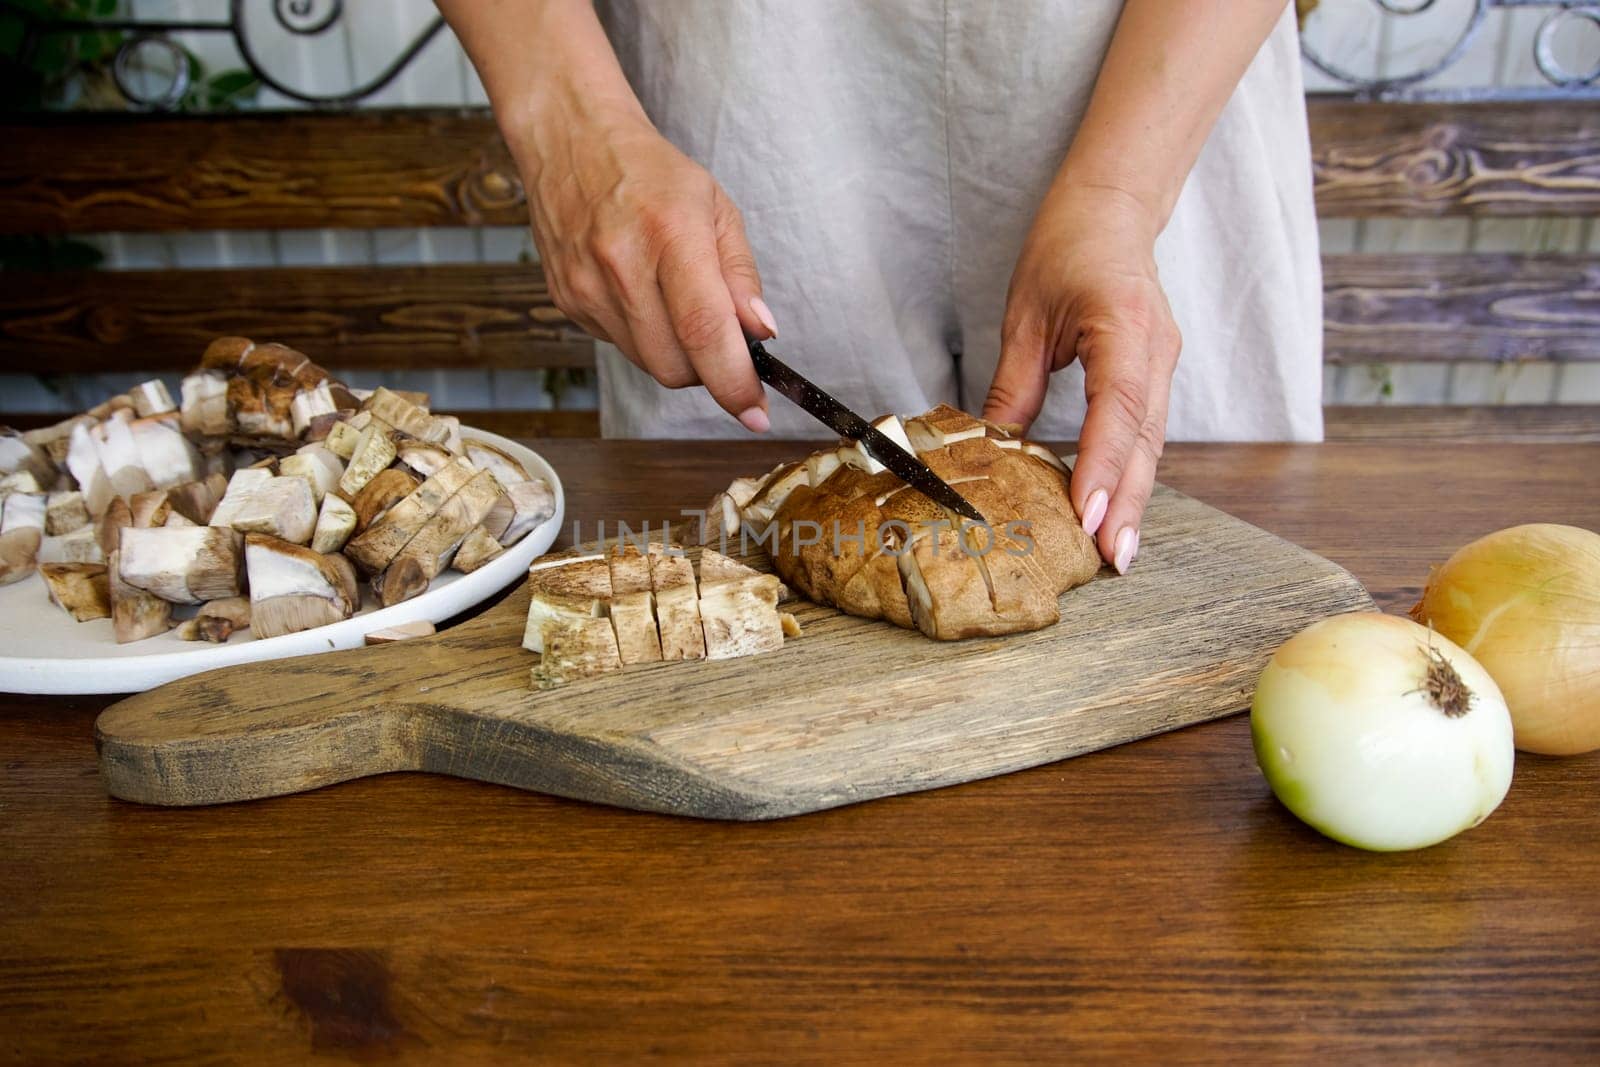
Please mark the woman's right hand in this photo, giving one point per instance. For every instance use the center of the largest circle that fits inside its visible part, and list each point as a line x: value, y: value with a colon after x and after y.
x: 642, y: 248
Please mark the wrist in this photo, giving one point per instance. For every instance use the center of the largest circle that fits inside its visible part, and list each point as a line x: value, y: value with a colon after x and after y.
x: 1105, y: 205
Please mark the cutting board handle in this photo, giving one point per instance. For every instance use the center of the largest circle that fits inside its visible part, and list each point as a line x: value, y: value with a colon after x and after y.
x: 266, y: 729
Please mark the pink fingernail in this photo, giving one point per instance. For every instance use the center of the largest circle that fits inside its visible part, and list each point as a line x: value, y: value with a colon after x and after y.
x: 1094, y: 512
x: 755, y: 420
x: 1127, y: 545
x: 764, y: 313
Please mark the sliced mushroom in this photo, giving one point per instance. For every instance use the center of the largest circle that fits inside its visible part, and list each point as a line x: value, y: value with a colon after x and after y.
x: 743, y: 490
x: 400, y: 581
x: 402, y: 414
x: 531, y: 504
x: 307, y: 405
x: 477, y: 548
x: 151, y: 398
x: 382, y: 493
x: 821, y: 465
x: 108, y: 526
x: 632, y: 606
x: 766, y: 503
x: 217, y: 620
x: 243, y: 483
x: 715, y: 567
x: 740, y: 617
x: 435, y: 544
x: 721, y: 520
x: 204, y: 412
x: 565, y: 590
x: 942, y: 426
x: 404, y: 631
x: 65, y: 512
x: 165, y: 454
x: 1040, y: 452
x: 195, y: 500
x: 342, y: 437
x: 372, y: 453
x: 17, y: 453
x: 575, y: 648
x: 281, y: 507
x: 150, y: 509
x: 184, y: 564
x: 506, y: 470
x: 80, y: 546
x: 259, y: 411
x: 317, y: 465
x: 422, y: 456
x: 891, y: 427
x: 21, y: 533
x: 54, y: 440
x: 374, y: 548
x: 83, y: 462
x: 336, y: 521
x: 293, y: 588
x: 20, y: 482
x: 677, y: 606
x: 80, y: 589
x: 119, y: 456
x: 135, y: 614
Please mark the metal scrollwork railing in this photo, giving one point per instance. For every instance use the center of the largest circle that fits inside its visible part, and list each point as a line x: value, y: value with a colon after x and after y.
x: 148, y: 38
x: 1561, y: 16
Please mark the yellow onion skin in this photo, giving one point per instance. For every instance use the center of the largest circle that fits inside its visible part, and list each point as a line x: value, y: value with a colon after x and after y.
x: 1525, y: 603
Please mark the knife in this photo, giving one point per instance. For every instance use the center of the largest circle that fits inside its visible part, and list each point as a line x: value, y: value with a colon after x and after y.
x: 846, y: 423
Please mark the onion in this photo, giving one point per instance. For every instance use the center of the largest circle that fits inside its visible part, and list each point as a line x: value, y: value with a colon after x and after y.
x: 1526, y: 603
x: 1381, y: 734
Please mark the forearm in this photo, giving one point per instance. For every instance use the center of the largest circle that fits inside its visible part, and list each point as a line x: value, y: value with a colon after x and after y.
x: 1171, y: 68
x: 547, y: 67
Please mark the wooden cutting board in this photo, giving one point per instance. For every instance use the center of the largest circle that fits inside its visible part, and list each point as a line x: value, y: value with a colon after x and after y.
x: 852, y: 710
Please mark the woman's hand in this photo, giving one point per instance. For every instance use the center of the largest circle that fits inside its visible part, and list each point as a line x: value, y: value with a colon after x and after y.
x: 642, y: 248
x: 1086, y: 288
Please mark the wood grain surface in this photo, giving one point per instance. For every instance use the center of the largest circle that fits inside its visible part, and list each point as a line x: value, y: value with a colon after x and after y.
x: 354, y: 318
x: 90, y: 173
x: 1488, y: 159
x: 1380, y: 308
x: 853, y: 710
x: 1151, y: 902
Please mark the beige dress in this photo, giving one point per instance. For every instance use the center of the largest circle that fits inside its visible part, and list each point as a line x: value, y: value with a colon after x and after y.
x: 888, y: 158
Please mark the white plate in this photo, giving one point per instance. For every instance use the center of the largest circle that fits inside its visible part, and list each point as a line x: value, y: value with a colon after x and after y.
x: 43, y: 651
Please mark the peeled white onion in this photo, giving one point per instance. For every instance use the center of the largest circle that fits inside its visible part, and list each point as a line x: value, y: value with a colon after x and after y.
x: 1381, y: 734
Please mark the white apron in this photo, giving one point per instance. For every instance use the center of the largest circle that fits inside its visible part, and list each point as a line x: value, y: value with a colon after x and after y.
x: 888, y: 158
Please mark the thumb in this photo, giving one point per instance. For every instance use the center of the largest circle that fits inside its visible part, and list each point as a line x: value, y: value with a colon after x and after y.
x: 739, y: 271
x: 1022, y: 374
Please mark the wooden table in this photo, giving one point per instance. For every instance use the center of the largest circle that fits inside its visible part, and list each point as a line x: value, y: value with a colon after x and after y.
x: 1149, y: 901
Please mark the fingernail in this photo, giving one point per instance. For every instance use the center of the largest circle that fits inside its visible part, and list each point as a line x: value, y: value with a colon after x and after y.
x: 764, y: 313
x: 755, y: 420
x: 1127, y: 545
x: 1094, y: 512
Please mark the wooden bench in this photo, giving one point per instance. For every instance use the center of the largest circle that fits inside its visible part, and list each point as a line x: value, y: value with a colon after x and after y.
x: 79, y: 174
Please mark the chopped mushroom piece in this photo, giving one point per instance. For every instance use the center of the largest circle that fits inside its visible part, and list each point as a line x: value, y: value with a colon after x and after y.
x: 335, y: 523
x: 382, y: 493
x: 80, y: 589
x: 194, y: 500
x: 119, y: 456
x: 20, y: 482
x: 404, y: 631
x: 308, y: 404
x: 575, y: 648
x: 531, y: 503
x: 422, y: 456
x: 821, y: 465
x: 243, y: 483
x: 477, y: 548
x: 108, y: 526
x: 341, y: 439
x: 677, y: 606
x: 150, y: 509
x: 565, y: 590
x: 317, y: 465
x: 740, y: 617
x: 766, y: 503
x: 21, y: 533
x: 632, y: 606
x: 282, y: 508
x: 80, y: 546
x: 715, y: 567
x: 721, y: 520
x: 942, y: 426
x: 83, y: 462
x: 374, y: 548
x: 372, y: 453
x: 891, y: 427
x: 293, y: 588
x: 402, y: 414
x: 135, y: 614
x: 506, y: 471
x: 204, y: 412
x: 65, y: 512
x: 217, y: 620
x: 151, y: 398
x: 183, y: 564
x: 436, y: 542
x: 54, y: 440
x: 17, y: 453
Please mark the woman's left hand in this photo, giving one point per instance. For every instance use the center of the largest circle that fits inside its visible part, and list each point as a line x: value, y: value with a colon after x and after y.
x: 1086, y: 288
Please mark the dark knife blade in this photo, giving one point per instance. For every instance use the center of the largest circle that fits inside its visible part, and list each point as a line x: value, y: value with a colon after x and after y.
x: 846, y: 423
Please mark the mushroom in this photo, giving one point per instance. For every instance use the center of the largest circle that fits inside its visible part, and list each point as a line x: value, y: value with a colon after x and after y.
x: 382, y: 493
x: 506, y: 470
x: 335, y: 523
x: 404, y: 631
x: 293, y: 588
x: 165, y: 454
x: 21, y: 532
x: 183, y: 564
x: 423, y: 457
x: 80, y: 546
x: 402, y: 414
x: 195, y: 500
x: 1039, y: 452
x: 944, y: 425
x: 244, y: 482
x: 307, y: 405
x: 217, y: 620
x: 317, y: 465
x: 820, y: 465
x: 55, y: 439
x: 566, y: 590
x: 83, y: 462
x: 374, y: 548
x: 204, y: 411
x: 856, y: 456
x: 108, y: 525
x: 80, y: 589
x: 575, y: 648
x: 677, y: 606
x: 17, y: 453
x: 529, y: 504
x: 435, y: 544
x: 342, y: 437
x: 477, y: 548
x: 151, y: 398
x: 65, y: 512
x: 715, y: 567
x: 119, y: 455
x: 771, y: 496
x: 19, y: 482
x: 150, y: 508
x: 721, y: 520
x: 135, y: 614
x: 373, y: 451
x: 633, y: 614
x: 280, y: 507
x: 259, y: 411
x: 739, y: 617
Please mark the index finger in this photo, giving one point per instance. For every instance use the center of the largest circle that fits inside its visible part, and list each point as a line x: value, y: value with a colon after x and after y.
x: 1116, y: 382
x: 708, y: 330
